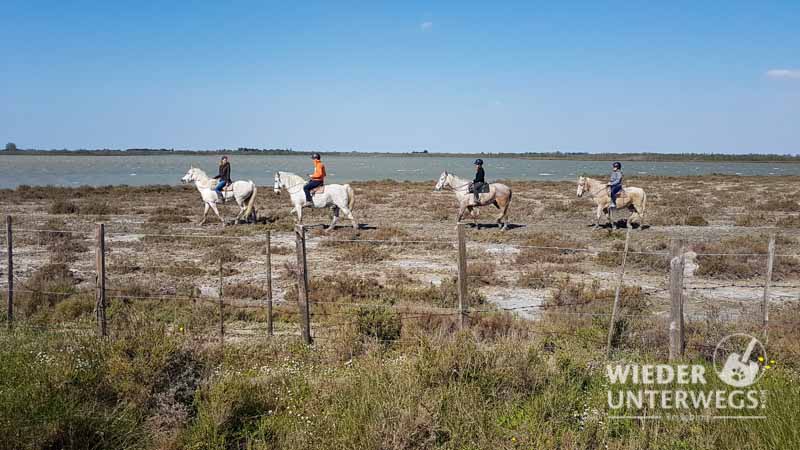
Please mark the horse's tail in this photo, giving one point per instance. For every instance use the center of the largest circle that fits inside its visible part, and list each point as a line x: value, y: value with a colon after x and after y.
x: 251, y: 201
x: 351, y: 197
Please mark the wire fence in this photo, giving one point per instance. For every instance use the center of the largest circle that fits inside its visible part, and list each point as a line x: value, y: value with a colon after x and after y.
x: 220, y: 277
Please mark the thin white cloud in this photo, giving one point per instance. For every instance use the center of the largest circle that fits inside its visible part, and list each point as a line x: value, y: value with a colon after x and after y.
x: 783, y: 74
x: 425, y: 26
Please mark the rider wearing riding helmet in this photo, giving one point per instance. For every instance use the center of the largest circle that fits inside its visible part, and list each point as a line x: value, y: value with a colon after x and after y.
x: 224, y: 176
x: 479, y: 181
x: 316, y: 179
x: 615, y: 183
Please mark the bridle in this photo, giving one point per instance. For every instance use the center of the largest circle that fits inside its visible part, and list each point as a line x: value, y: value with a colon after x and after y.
x: 289, y: 188
x: 454, y: 188
x: 591, y: 194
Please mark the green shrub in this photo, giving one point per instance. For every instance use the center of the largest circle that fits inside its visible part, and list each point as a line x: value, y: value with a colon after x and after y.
x: 48, y: 285
x: 74, y: 308
x: 234, y: 411
x: 379, y: 323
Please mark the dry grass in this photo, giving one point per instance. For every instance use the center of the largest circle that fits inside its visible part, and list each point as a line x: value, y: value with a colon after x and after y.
x: 167, y: 215
x: 243, y: 290
x: 750, y: 261
x: 550, y: 255
x: 536, y: 278
x: 384, y: 348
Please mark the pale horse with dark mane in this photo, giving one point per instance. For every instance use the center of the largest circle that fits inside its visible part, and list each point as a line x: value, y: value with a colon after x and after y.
x: 499, y: 196
x: 338, y: 197
x: 632, y: 198
x: 244, y: 192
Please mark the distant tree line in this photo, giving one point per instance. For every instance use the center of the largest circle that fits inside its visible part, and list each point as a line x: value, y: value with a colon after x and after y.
x: 609, y: 156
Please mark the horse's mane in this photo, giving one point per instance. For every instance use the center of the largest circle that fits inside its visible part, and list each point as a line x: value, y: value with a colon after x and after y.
x: 459, y: 181
x: 291, y: 178
x: 592, y: 180
x: 200, y: 171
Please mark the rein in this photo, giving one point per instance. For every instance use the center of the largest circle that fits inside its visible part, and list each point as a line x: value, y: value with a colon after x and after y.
x: 597, y: 191
x: 289, y: 188
x: 458, y: 188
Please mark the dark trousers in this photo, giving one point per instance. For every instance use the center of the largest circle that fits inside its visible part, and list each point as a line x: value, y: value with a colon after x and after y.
x: 476, y: 189
x: 614, y: 191
x: 309, y: 186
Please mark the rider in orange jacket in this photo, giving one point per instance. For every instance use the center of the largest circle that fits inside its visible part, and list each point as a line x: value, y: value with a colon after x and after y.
x: 317, y: 178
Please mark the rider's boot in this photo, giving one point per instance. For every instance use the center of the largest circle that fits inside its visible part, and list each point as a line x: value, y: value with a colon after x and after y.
x: 308, y: 204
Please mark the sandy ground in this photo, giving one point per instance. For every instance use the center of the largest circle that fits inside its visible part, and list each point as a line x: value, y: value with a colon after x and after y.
x: 145, y: 247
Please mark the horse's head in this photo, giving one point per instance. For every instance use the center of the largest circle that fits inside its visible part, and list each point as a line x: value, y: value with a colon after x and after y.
x: 190, y: 176
x: 443, y: 180
x: 278, y: 184
x: 581, y: 185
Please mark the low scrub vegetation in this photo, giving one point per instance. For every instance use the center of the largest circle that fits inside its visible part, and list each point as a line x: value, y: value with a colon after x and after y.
x: 148, y: 388
x: 744, y: 257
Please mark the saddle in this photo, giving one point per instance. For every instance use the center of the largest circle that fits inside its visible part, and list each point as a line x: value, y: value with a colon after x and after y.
x: 318, y: 190
x: 484, y: 189
x: 622, y: 193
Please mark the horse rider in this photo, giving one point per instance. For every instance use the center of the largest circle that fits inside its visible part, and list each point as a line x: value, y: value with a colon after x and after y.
x: 615, y: 183
x: 224, y: 176
x: 479, y: 181
x: 316, y: 179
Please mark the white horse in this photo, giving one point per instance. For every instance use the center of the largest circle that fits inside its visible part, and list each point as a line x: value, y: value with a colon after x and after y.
x: 499, y: 195
x: 241, y: 191
x: 336, y: 196
x: 633, y: 198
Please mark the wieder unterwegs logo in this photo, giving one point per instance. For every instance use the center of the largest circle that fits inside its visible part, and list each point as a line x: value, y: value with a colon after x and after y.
x: 683, y: 391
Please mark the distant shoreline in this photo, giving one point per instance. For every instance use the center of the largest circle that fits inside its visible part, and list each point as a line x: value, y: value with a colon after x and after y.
x: 639, y: 157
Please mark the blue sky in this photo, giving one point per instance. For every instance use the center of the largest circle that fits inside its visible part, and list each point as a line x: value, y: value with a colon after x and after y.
x: 713, y: 76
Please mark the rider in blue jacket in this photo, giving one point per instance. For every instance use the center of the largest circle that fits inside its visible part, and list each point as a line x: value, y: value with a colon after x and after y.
x: 615, y: 183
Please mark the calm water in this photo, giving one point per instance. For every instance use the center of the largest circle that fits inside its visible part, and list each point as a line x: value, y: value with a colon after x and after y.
x: 168, y: 169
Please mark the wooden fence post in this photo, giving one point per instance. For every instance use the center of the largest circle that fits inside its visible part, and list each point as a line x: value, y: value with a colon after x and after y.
x: 10, y: 287
x: 100, y: 267
x: 617, y: 293
x: 302, y: 284
x: 269, y: 284
x: 767, y: 283
x: 677, y: 263
x: 221, y: 305
x: 462, y: 276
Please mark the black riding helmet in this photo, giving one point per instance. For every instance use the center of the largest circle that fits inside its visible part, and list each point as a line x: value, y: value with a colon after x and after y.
x: 478, y: 162
x: 617, y: 165
x: 315, y: 156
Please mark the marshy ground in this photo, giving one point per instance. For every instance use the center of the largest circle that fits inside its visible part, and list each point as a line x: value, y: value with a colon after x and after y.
x: 381, y: 299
